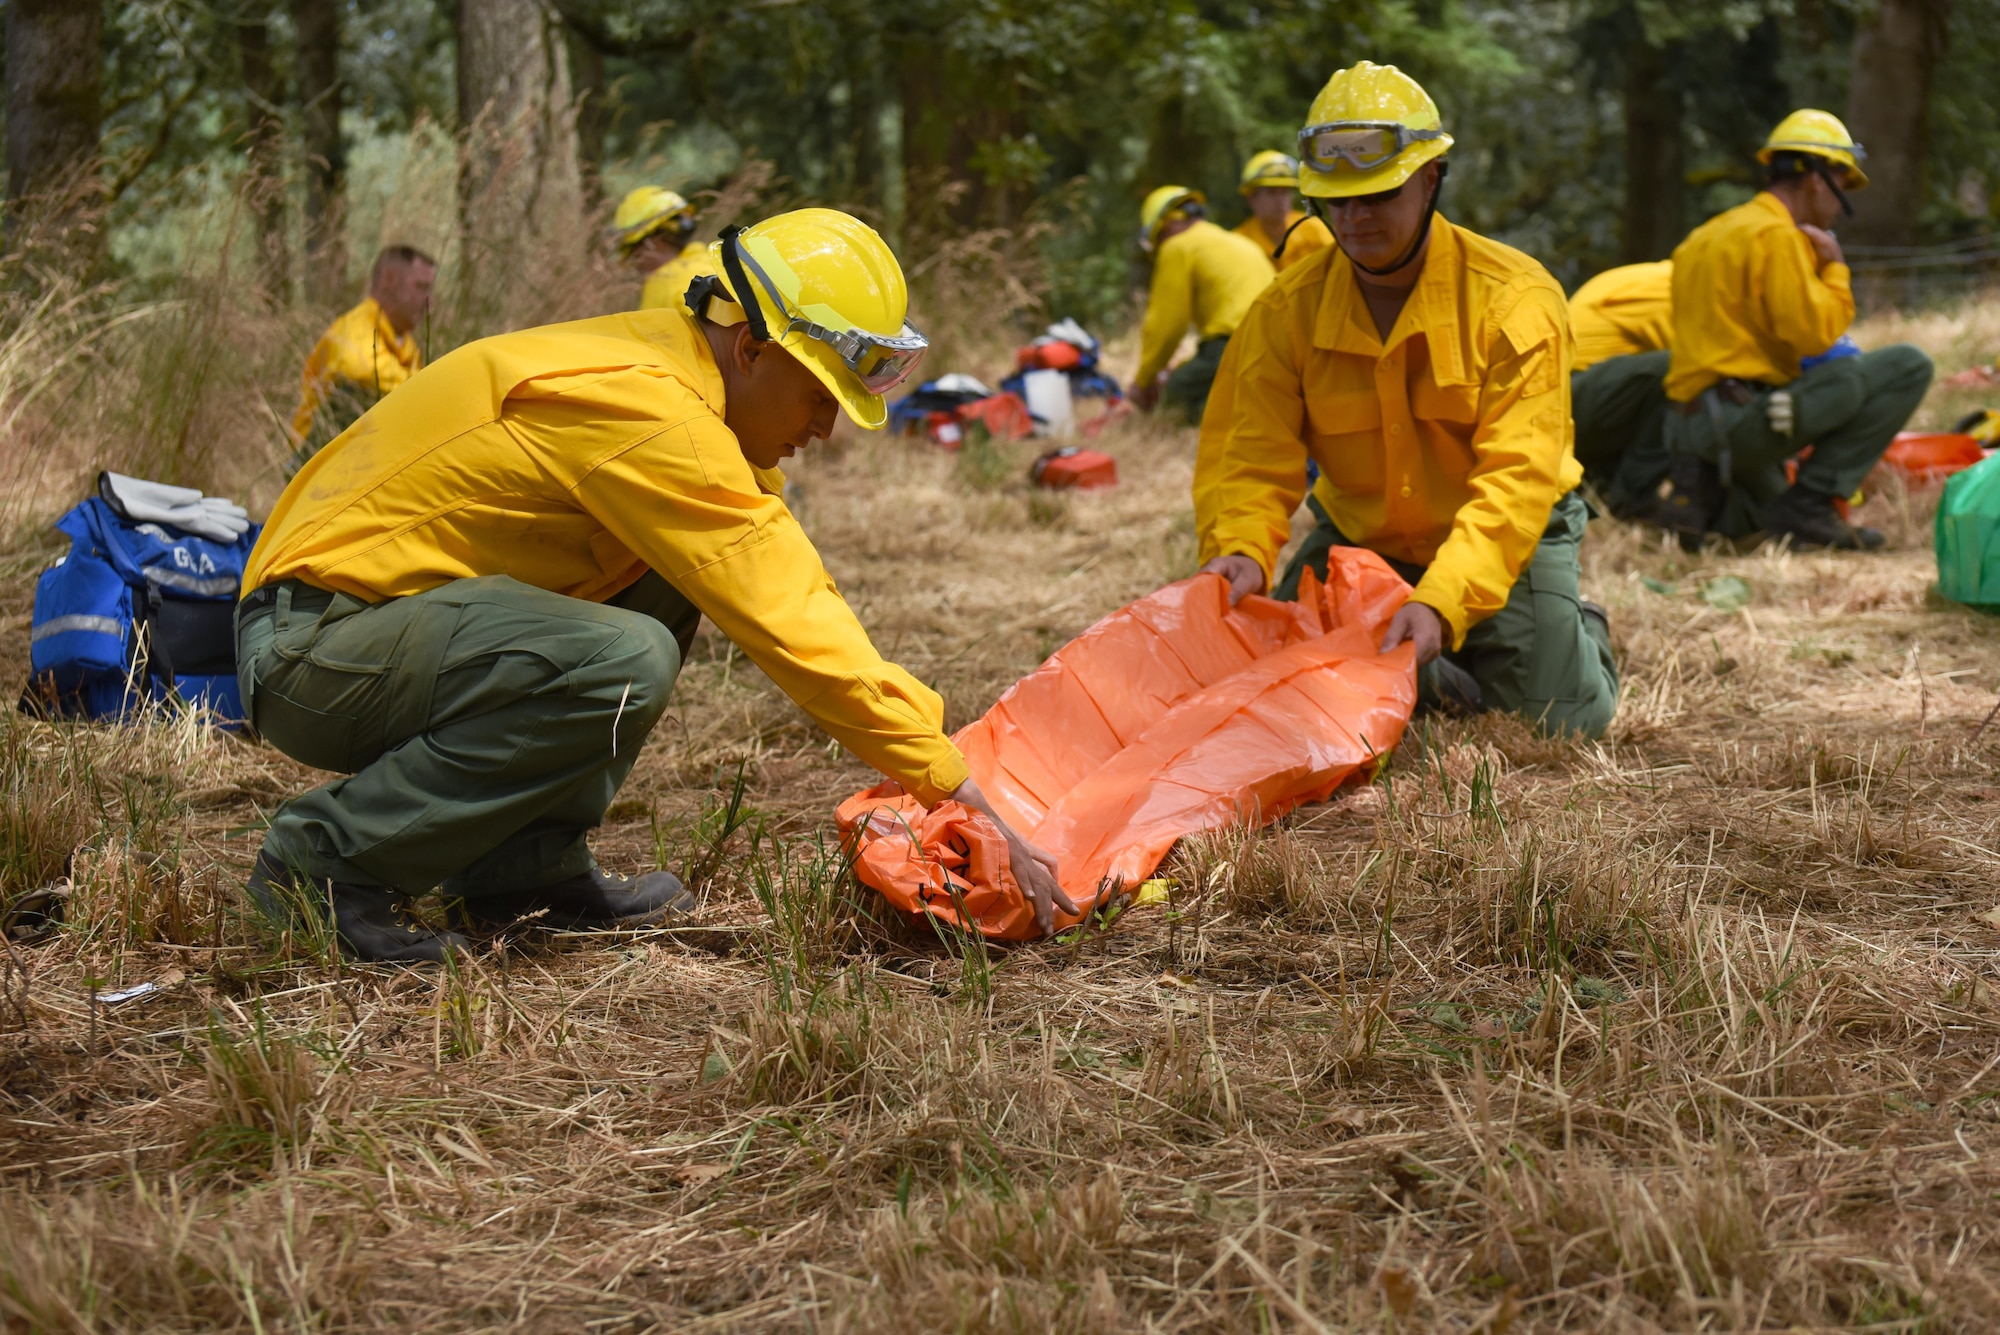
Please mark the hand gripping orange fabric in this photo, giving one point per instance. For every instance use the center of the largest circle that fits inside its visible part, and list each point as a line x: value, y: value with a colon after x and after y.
x: 1173, y: 715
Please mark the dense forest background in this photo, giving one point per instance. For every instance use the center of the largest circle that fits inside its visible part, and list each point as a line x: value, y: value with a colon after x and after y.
x: 1003, y: 142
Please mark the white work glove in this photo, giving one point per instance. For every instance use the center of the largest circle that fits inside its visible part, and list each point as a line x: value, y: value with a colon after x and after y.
x: 184, y: 508
x: 1778, y: 410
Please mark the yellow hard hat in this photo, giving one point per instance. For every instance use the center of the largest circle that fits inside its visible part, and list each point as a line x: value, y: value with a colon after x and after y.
x: 1369, y: 130
x: 1162, y: 207
x: 1270, y: 168
x: 829, y: 291
x: 1821, y: 134
x: 647, y: 210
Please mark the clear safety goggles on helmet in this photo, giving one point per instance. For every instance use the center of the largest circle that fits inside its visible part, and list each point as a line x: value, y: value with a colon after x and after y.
x: 1362, y: 145
x: 879, y: 361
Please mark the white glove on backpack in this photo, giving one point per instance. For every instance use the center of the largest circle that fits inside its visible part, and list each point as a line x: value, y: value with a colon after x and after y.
x: 184, y: 508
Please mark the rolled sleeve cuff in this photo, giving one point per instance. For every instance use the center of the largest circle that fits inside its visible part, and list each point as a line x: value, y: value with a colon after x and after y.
x: 941, y: 779
x: 1435, y: 593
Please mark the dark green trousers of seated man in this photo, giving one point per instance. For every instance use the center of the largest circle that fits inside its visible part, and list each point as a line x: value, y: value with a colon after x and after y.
x: 1621, y: 407
x: 1543, y: 655
x: 1188, y: 384
x: 1848, y: 410
x: 484, y: 726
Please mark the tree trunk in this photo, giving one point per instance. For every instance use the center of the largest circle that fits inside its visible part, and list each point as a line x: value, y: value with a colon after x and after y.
x: 264, y: 144
x: 520, y: 192
x: 1896, y: 51
x: 317, y: 23
x: 593, y: 117
x: 1655, y: 175
x: 53, y: 108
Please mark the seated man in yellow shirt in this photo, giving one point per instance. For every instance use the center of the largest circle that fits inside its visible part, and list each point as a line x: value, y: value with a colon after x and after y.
x: 474, y: 603
x: 1202, y: 276
x: 1425, y: 369
x: 653, y: 230
x: 1622, y: 321
x: 367, y: 352
x: 1761, y: 295
x: 1281, y: 230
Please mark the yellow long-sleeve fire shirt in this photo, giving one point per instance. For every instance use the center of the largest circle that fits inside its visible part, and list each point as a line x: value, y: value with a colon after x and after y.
x: 1204, y: 277
x: 668, y: 284
x: 1750, y: 300
x: 1445, y: 445
x: 1302, y: 236
x: 360, y: 352
x: 573, y: 458
x: 1622, y: 312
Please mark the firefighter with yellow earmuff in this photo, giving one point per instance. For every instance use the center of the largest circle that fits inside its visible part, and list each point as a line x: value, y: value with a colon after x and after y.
x: 1425, y: 370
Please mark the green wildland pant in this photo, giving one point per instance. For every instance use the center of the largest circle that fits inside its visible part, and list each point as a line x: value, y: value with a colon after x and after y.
x: 484, y: 726
x: 1539, y: 656
x: 1188, y: 384
x: 1620, y: 406
x: 1848, y: 410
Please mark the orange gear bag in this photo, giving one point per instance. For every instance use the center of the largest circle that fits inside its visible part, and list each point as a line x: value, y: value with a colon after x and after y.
x: 1174, y: 715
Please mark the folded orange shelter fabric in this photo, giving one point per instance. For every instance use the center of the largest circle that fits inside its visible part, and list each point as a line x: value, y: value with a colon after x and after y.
x: 1173, y: 715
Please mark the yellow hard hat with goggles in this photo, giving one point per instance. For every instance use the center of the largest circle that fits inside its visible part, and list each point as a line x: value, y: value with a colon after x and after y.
x: 1369, y: 130
x: 822, y: 285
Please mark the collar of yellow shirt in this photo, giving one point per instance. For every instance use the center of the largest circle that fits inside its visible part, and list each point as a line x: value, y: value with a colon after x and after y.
x: 1344, y: 323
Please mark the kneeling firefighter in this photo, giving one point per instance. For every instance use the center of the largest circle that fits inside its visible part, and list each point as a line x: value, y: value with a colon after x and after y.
x: 1623, y: 323
x: 1202, y: 276
x: 1425, y: 369
x: 1761, y: 295
x: 474, y: 602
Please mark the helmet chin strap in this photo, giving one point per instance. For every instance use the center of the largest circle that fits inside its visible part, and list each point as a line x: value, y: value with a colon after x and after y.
x: 1416, y: 242
x: 1825, y: 173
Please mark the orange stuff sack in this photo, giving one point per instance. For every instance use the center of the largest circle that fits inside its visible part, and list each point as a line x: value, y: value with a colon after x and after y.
x: 1174, y: 715
x: 1927, y: 456
x: 1071, y: 467
x: 1054, y: 355
x: 1002, y: 414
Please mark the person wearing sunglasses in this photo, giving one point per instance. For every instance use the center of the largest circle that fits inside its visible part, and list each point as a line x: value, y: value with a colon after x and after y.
x: 1286, y: 235
x: 653, y: 230
x: 1204, y: 278
x: 1426, y: 371
x: 1761, y: 295
x: 474, y: 603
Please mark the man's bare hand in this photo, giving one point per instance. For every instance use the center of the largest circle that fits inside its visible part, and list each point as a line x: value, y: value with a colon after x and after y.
x: 1034, y: 869
x: 1421, y: 626
x: 1826, y: 246
x: 1146, y: 397
x: 1245, y: 576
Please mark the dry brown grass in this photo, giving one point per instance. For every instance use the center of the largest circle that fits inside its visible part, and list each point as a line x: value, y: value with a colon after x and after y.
x: 1694, y: 1029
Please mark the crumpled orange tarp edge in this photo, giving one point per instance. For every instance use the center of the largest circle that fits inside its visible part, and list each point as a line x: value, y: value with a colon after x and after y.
x: 1173, y: 715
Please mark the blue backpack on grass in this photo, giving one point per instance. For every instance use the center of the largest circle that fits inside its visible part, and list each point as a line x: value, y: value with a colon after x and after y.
x: 140, y: 610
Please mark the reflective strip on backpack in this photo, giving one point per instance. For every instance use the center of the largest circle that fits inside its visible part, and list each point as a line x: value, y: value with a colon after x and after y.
x: 78, y: 621
x: 222, y: 586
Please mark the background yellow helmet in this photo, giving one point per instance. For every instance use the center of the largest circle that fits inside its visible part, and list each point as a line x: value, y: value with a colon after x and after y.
x: 1821, y: 134
x: 833, y: 270
x: 1163, y: 206
x: 1270, y: 168
x: 647, y: 210
x: 1369, y: 130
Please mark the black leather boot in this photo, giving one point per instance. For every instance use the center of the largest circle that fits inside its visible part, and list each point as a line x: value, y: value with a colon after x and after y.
x: 371, y: 921
x: 595, y: 900
x: 1692, y: 502
x: 1808, y: 518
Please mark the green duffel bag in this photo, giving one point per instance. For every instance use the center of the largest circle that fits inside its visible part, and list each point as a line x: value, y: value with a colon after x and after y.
x: 1968, y: 536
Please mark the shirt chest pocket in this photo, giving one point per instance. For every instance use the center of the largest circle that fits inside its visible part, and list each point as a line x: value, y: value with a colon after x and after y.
x: 1345, y: 432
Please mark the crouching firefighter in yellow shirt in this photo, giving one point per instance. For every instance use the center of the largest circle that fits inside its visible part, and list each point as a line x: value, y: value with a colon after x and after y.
x: 474, y: 603
x: 1621, y: 323
x: 1425, y: 369
x: 652, y: 230
x: 1202, y: 276
x: 1284, y: 233
x: 1760, y: 370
